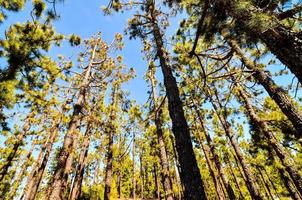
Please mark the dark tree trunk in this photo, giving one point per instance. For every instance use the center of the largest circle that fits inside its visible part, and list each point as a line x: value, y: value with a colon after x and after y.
x: 77, y: 184
x: 189, y: 174
x: 281, y: 98
x: 284, y: 43
x: 271, y: 182
x: 142, y: 176
x: 250, y: 178
x: 133, y: 168
x: 286, y: 159
x: 156, y: 182
x: 288, y: 184
x: 165, y: 172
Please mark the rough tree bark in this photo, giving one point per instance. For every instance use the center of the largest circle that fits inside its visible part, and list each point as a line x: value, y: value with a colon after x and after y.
x: 77, y: 184
x: 189, y: 174
x: 281, y: 98
x: 157, y: 111
x: 250, y: 178
x: 64, y: 164
x: 285, y: 159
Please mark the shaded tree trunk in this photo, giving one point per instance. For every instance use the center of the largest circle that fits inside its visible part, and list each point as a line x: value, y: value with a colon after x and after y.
x: 189, y: 174
x: 279, y: 95
x: 218, y: 188
x: 250, y: 178
x: 217, y: 162
x: 288, y: 184
x: 133, y: 165
x: 286, y: 159
x: 157, y: 110
x: 266, y: 184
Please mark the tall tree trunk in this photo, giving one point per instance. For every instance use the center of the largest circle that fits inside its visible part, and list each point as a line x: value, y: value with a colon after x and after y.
x: 250, y: 178
x: 281, y: 98
x: 19, y: 142
x: 218, y: 188
x: 156, y: 182
x: 217, y: 162
x: 157, y: 110
x: 234, y: 177
x: 77, y: 184
x: 64, y: 164
x: 22, y: 171
x: 284, y: 43
x: 189, y: 174
x: 271, y: 182
x: 288, y: 184
x: 37, y: 172
x: 142, y: 176
x: 266, y: 184
x: 133, y: 172
x: 286, y: 159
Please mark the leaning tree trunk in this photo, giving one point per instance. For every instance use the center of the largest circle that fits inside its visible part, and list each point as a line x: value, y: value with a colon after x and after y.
x: 218, y: 188
x: 64, y: 163
x: 77, y: 184
x: 217, y: 162
x: 19, y: 142
x: 284, y: 43
x: 281, y: 98
x: 286, y: 159
x: 288, y: 184
x: 157, y: 111
x: 189, y: 174
x: 37, y: 172
x: 22, y: 171
x: 234, y: 177
x: 266, y: 184
x: 250, y: 178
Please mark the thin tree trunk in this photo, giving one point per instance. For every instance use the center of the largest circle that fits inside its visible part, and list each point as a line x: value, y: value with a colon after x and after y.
x: 156, y: 182
x: 217, y: 162
x: 19, y: 142
x: 218, y: 188
x: 288, y: 184
x: 133, y: 172
x: 22, y: 171
x: 37, y: 172
x: 64, y: 164
x: 250, y: 178
x: 272, y: 183
x: 77, y: 184
x: 279, y: 95
x: 266, y: 184
x: 234, y: 177
x: 160, y: 137
x: 189, y: 174
x: 286, y: 160
x: 142, y: 176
